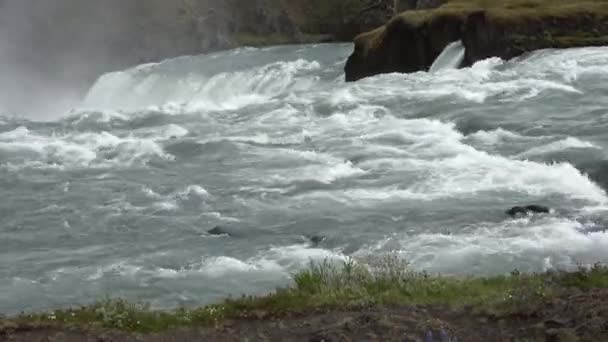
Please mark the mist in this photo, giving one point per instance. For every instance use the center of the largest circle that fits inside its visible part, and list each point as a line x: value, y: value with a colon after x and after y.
x: 36, y: 80
x: 52, y: 51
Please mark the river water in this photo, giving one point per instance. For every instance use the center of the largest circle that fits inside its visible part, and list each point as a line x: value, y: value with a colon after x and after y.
x: 116, y: 197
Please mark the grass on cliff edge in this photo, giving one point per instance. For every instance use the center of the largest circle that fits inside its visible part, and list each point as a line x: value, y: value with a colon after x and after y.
x: 509, y: 8
x: 514, y: 10
x: 327, y: 285
x: 522, y: 4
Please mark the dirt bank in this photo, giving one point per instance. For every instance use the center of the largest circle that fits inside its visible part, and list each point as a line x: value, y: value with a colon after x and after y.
x: 352, y: 303
x: 579, y: 316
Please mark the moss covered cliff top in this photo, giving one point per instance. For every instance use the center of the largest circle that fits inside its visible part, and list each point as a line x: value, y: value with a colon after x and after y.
x: 508, y: 8
x: 526, y: 4
x: 488, y: 28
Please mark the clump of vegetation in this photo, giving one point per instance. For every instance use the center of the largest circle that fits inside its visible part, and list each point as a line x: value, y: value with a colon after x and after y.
x: 523, y: 4
x: 385, y: 281
x: 514, y: 8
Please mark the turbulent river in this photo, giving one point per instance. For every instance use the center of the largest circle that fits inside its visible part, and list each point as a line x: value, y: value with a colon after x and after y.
x: 116, y: 197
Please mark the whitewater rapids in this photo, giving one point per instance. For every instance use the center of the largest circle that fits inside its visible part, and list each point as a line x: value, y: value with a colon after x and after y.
x: 116, y: 197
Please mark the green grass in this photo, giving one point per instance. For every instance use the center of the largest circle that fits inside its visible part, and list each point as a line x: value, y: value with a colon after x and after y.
x: 510, y: 8
x: 512, y: 13
x: 385, y: 282
x: 525, y: 5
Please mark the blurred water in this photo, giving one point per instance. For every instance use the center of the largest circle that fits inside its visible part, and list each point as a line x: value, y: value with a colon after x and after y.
x: 116, y: 197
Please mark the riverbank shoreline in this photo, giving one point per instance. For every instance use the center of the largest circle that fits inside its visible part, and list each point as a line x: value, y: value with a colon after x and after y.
x: 351, y: 303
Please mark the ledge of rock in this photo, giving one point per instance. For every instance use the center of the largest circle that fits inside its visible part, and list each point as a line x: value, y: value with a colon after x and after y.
x: 412, y: 40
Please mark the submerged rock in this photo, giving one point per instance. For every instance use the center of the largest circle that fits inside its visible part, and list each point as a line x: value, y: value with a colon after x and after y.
x: 529, y: 209
x: 316, y: 240
x: 218, y: 230
x: 412, y: 40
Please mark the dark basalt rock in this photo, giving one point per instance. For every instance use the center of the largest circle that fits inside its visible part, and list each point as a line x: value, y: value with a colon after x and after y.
x: 414, y: 39
x: 218, y: 230
x: 529, y: 209
x: 402, y: 45
x: 316, y: 240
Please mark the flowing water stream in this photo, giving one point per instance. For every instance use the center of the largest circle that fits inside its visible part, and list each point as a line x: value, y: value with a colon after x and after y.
x: 116, y: 197
x: 450, y: 58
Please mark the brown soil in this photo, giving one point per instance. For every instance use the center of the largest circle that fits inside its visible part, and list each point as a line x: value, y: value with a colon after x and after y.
x: 580, y: 316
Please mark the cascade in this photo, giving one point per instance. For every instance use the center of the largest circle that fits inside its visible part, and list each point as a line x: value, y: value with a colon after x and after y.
x: 450, y: 58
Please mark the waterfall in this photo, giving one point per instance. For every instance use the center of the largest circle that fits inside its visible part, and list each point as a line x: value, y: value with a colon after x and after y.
x: 450, y: 58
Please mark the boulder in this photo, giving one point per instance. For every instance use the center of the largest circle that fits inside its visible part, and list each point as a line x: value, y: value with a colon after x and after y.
x: 316, y: 240
x: 218, y: 230
x: 529, y: 209
x: 409, y: 42
x: 412, y: 40
x: 490, y: 33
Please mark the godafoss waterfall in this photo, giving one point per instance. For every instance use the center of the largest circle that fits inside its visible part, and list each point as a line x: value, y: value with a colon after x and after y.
x: 284, y: 162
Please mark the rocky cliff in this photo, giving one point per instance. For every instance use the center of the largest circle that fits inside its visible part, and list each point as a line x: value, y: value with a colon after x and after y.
x: 411, y: 41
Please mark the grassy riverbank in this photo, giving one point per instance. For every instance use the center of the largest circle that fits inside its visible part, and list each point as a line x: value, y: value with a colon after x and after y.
x: 349, y: 287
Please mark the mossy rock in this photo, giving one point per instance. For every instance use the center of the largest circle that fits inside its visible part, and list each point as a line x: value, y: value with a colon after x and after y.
x: 412, y: 40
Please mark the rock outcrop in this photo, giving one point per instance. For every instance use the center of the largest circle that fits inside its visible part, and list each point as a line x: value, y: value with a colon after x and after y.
x: 528, y: 209
x: 357, y: 16
x: 412, y: 40
x: 367, y: 16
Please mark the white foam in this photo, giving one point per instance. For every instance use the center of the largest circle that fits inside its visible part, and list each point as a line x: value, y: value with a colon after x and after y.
x: 557, y: 146
x: 497, y: 136
x: 173, y: 200
x: 142, y: 88
x: 461, y: 175
x: 123, y: 269
x: 276, y: 261
x: 151, y: 193
x: 219, y: 216
x: 296, y: 257
x: 529, y: 243
x: 193, y: 191
x: 128, y: 269
x: 327, y: 173
x: 221, y: 266
x: 478, y: 83
x: 283, y: 260
x: 158, y: 133
x: 450, y: 58
x: 567, y: 64
x: 437, y: 163
x: 75, y: 150
x: 166, y: 205
x: 79, y: 117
